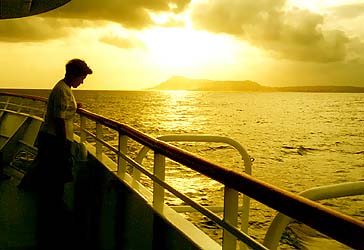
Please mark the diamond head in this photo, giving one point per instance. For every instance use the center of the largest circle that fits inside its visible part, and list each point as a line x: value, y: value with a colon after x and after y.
x: 184, y: 83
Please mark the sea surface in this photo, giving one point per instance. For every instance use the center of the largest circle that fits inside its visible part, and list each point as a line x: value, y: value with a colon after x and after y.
x: 297, y: 140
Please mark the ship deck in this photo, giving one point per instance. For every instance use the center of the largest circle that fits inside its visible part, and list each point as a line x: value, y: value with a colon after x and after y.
x: 18, y: 211
x: 17, y: 214
x: 23, y: 216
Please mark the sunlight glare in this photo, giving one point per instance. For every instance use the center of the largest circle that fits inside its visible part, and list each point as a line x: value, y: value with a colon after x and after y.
x: 184, y: 48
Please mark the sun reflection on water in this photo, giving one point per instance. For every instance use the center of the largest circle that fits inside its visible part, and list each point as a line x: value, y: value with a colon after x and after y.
x: 179, y: 110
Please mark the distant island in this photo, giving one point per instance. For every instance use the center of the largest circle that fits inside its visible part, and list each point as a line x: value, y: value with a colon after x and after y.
x: 184, y: 83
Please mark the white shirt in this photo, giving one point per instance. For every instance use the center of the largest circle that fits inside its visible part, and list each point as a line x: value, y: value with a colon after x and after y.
x: 61, y: 104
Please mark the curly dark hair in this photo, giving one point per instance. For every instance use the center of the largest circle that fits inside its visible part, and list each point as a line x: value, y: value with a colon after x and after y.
x: 77, y: 67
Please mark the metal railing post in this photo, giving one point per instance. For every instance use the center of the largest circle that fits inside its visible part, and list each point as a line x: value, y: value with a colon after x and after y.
x: 122, y: 147
x: 7, y: 103
x: 83, y: 128
x: 20, y: 105
x: 245, y: 218
x: 230, y: 216
x: 98, y: 143
x: 159, y: 172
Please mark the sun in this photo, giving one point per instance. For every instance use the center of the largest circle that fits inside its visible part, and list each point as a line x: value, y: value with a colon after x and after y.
x: 184, y: 48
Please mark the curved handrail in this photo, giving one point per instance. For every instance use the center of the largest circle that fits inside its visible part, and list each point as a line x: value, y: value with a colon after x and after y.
x: 203, y: 138
x: 213, y: 138
x: 281, y: 221
x: 210, y: 138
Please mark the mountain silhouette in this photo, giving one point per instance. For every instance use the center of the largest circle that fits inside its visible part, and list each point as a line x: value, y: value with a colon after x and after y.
x: 184, y: 83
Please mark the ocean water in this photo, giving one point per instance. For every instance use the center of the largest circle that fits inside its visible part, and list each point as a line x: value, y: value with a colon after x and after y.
x: 297, y: 140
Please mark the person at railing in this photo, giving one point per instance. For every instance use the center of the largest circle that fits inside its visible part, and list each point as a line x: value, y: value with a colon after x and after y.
x: 54, y: 156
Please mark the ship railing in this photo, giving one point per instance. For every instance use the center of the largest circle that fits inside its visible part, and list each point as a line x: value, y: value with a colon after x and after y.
x: 231, y: 197
x: 340, y: 227
x: 247, y: 160
x: 26, y: 104
x: 281, y: 221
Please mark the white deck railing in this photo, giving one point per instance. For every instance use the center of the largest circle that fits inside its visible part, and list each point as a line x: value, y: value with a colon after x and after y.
x: 229, y: 222
x: 343, y: 228
x: 331, y: 223
x: 231, y: 203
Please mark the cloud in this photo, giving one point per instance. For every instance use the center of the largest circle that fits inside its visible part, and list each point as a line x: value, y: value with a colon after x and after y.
x: 296, y: 73
x: 59, y: 23
x: 348, y: 11
x: 128, y: 13
x: 293, y: 33
x: 32, y: 29
x: 122, y: 42
x: 290, y: 33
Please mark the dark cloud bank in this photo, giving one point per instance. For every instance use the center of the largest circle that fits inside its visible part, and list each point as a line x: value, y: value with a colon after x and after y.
x: 82, y: 13
x: 288, y: 33
x: 292, y: 34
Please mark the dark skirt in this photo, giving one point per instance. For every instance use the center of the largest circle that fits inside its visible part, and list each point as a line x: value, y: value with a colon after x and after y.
x: 54, y: 159
x: 55, y: 221
x: 52, y: 166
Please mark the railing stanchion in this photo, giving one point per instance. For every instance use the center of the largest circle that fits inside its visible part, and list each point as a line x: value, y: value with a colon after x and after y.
x: 7, y: 102
x: 20, y: 105
x: 123, y: 141
x: 230, y: 216
x: 98, y: 143
x: 83, y: 128
x: 159, y: 172
x: 245, y: 218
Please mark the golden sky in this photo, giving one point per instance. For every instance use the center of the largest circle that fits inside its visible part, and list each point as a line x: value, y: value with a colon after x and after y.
x: 134, y: 45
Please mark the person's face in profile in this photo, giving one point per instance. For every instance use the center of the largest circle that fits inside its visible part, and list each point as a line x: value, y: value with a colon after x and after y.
x: 78, y: 80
